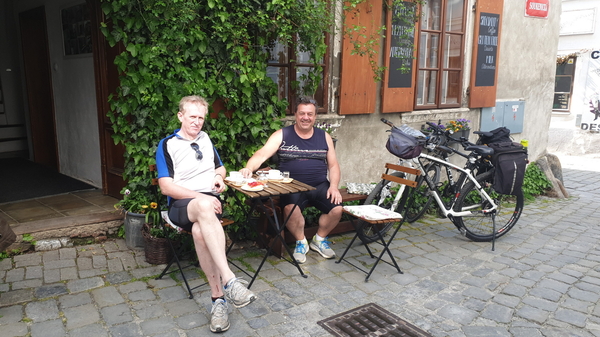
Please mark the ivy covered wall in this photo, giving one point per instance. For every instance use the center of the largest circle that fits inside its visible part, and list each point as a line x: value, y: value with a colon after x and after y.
x: 217, y: 49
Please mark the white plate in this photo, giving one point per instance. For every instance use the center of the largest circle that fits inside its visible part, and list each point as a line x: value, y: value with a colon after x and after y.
x: 253, y: 189
x: 287, y: 180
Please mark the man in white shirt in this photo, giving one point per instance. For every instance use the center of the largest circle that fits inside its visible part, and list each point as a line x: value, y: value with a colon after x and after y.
x: 191, y: 174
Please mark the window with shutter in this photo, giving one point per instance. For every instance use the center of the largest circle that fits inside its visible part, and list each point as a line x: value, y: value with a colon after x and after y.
x: 287, y: 67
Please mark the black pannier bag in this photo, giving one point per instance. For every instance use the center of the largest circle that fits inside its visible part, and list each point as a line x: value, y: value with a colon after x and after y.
x: 510, y: 161
x: 499, y: 135
x: 404, y: 145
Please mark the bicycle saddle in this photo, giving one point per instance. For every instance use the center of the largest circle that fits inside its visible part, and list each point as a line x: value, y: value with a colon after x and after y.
x: 481, y: 149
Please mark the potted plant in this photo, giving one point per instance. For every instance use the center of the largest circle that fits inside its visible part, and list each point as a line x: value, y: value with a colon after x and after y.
x: 134, y: 206
x: 329, y: 128
x: 156, y: 238
x: 460, y: 127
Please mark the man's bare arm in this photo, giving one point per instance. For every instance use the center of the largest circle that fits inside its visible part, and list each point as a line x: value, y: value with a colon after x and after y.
x: 266, y: 152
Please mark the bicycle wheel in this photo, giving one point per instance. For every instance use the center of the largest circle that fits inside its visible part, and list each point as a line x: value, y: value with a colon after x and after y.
x: 383, y: 197
x: 421, y: 198
x: 479, y: 227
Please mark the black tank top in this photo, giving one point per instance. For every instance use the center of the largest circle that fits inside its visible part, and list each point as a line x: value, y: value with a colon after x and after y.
x: 306, y: 159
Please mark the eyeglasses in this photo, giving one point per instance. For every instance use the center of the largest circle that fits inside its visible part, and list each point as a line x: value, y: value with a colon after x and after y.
x: 197, y: 149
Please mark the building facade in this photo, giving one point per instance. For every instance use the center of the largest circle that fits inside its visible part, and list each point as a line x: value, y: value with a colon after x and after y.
x: 576, y: 105
x: 488, y: 61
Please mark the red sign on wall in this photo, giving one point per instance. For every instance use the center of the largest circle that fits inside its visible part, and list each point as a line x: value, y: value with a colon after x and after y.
x: 537, y: 8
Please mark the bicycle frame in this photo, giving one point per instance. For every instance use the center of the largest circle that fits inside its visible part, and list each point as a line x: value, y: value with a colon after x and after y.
x: 467, y: 173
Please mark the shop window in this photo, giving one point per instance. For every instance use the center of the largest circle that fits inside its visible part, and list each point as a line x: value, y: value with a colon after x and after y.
x: 563, y: 85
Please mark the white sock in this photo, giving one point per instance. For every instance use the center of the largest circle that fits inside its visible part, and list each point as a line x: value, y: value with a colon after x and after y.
x: 318, y: 238
x: 304, y: 241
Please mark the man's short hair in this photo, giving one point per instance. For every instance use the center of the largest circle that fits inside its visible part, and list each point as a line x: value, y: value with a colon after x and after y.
x: 194, y: 99
x: 306, y: 100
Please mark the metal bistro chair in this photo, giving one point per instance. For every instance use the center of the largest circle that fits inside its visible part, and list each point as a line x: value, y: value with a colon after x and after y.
x: 376, y: 216
x: 181, y: 250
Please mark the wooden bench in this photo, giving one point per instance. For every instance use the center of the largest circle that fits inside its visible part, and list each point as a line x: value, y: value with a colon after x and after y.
x: 266, y: 236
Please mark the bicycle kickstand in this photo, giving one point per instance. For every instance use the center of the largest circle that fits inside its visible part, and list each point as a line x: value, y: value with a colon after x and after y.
x: 493, y: 230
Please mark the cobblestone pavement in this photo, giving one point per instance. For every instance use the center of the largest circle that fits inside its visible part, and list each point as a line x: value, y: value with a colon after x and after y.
x: 543, y: 279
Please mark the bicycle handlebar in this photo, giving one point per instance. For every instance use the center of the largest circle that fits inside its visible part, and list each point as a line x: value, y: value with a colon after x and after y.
x: 387, y: 122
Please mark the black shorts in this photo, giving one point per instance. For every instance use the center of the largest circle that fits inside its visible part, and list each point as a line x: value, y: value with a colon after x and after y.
x: 178, y: 213
x: 317, y: 198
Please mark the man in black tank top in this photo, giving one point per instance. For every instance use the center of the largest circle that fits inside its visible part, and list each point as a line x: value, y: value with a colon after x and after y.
x: 308, y: 154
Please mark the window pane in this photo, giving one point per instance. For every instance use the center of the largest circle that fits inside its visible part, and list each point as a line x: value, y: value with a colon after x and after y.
x: 452, y: 52
x: 454, y: 15
x: 301, y: 75
x: 450, y: 87
x: 426, y: 84
x: 278, y: 53
x: 428, y: 50
x: 431, y: 15
x: 302, y: 57
x: 279, y: 76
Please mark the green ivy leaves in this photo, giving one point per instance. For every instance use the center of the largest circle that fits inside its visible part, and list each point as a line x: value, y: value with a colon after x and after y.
x: 217, y: 49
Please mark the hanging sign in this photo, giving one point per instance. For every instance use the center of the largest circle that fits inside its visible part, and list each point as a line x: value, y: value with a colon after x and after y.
x: 487, y: 50
x: 537, y: 8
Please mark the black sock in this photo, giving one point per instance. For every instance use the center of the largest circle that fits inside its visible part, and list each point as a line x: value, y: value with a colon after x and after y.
x: 216, y: 298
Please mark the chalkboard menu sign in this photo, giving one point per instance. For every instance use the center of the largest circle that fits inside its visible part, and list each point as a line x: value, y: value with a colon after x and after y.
x: 401, y: 48
x: 561, y: 101
x: 487, y: 50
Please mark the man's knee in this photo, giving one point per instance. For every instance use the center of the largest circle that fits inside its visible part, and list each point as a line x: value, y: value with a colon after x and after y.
x: 336, y: 212
x: 197, y: 233
x: 202, y: 205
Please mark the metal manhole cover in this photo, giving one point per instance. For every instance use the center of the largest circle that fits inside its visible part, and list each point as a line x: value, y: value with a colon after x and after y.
x: 370, y: 320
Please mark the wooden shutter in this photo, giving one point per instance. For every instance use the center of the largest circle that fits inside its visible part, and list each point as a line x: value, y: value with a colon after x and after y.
x: 486, y: 51
x: 358, y: 89
x: 398, y: 89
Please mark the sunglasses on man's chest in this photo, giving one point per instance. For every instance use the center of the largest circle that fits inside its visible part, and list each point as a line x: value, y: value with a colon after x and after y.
x: 197, y: 149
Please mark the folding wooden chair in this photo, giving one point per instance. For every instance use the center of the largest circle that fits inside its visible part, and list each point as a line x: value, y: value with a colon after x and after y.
x: 182, y: 249
x: 375, y: 216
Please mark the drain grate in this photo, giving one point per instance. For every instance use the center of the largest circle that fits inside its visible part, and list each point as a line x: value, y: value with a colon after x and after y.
x: 370, y: 320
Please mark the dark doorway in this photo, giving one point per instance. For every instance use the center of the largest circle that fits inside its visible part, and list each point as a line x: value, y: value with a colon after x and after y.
x: 38, y: 79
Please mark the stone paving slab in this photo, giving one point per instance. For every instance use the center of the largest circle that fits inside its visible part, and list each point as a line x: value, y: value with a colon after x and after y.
x: 543, y: 279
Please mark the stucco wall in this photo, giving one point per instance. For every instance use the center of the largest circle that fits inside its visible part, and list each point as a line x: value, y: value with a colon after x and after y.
x: 527, y: 68
x: 74, y: 97
x: 526, y: 72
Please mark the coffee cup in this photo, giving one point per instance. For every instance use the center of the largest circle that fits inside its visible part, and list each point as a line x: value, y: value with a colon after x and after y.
x: 235, y: 175
x: 274, y: 174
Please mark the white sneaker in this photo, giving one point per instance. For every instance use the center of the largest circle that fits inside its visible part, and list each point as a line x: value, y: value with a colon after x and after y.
x: 322, y: 247
x: 237, y: 293
x: 219, y: 319
x: 301, y: 250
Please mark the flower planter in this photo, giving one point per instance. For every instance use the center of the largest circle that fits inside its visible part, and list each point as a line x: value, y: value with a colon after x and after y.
x: 133, y: 223
x: 157, y: 250
x: 463, y: 133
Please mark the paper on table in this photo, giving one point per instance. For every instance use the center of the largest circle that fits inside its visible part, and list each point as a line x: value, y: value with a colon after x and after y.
x: 372, y: 212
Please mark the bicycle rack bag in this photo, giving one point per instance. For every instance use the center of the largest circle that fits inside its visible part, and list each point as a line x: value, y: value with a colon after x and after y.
x: 510, y: 161
x: 404, y: 145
